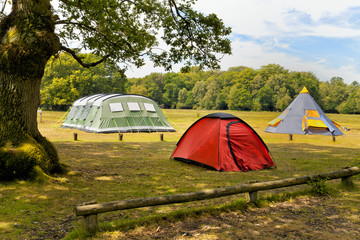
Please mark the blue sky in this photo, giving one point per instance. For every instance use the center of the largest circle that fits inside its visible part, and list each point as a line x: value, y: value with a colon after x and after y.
x: 319, y: 36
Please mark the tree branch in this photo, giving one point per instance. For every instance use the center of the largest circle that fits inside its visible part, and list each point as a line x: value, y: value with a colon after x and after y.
x: 81, y: 25
x: 188, y: 24
x: 132, y: 2
x: 78, y: 59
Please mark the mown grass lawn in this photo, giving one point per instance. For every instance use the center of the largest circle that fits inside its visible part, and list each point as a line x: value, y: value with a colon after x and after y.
x: 103, y: 169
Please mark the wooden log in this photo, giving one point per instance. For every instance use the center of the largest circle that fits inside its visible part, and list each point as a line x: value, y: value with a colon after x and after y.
x: 209, y: 194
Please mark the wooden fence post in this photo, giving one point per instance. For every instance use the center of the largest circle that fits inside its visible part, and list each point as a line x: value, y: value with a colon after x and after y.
x: 347, y: 181
x: 333, y: 138
x: 120, y: 136
x: 75, y: 136
x: 290, y: 137
x: 161, y: 137
x: 90, y: 222
x: 252, y: 196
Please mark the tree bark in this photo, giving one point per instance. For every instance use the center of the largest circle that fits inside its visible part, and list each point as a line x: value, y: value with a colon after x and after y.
x: 27, y: 41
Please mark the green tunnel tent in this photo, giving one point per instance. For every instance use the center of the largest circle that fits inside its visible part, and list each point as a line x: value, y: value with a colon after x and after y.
x: 303, y: 116
x: 111, y: 113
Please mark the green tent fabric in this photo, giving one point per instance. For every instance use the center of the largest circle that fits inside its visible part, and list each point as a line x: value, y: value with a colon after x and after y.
x: 110, y: 113
x: 303, y: 116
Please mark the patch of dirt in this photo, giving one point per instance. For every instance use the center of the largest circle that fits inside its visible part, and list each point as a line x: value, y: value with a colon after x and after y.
x: 302, y: 218
x: 54, y: 228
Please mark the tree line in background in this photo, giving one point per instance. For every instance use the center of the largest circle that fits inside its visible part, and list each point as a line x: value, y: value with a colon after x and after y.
x: 270, y: 88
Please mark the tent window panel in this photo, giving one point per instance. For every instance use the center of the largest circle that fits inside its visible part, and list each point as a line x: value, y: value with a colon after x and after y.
x: 134, y: 106
x: 312, y: 113
x: 130, y: 121
x: 315, y: 123
x: 72, y: 112
x: 85, y: 112
x: 118, y: 122
x: 146, y: 122
x: 78, y: 113
x: 303, y: 123
x: 137, y: 121
x: 275, y: 122
x: 149, y: 107
x: 116, y: 107
x: 156, y: 122
x: 134, y: 122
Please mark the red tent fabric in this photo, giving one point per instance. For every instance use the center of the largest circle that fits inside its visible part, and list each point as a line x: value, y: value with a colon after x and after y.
x: 224, y: 142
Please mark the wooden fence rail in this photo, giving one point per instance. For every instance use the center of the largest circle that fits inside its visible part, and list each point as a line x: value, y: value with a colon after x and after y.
x: 90, y: 210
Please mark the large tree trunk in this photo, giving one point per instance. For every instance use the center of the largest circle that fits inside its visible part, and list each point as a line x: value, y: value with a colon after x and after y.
x: 27, y: 41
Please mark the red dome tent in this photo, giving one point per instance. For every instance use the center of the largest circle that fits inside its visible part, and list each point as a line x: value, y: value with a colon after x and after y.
x: 224, y: 142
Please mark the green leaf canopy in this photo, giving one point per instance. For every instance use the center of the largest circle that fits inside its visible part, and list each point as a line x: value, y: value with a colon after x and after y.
x: 128, y: 32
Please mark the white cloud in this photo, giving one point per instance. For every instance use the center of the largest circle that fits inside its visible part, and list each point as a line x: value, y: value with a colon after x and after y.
x: 255, y: 55
x: 270, y: 24
x: 262, y: 29
x: 268, y: 17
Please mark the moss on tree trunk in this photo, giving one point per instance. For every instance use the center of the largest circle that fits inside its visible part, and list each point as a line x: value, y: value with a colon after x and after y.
x: 27, y: 41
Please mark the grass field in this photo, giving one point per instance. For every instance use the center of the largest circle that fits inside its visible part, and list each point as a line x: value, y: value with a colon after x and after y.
x: 102, y: 168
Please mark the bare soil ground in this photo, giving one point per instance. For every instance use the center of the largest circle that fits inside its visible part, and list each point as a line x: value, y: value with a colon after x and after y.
x: 302, y: 218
